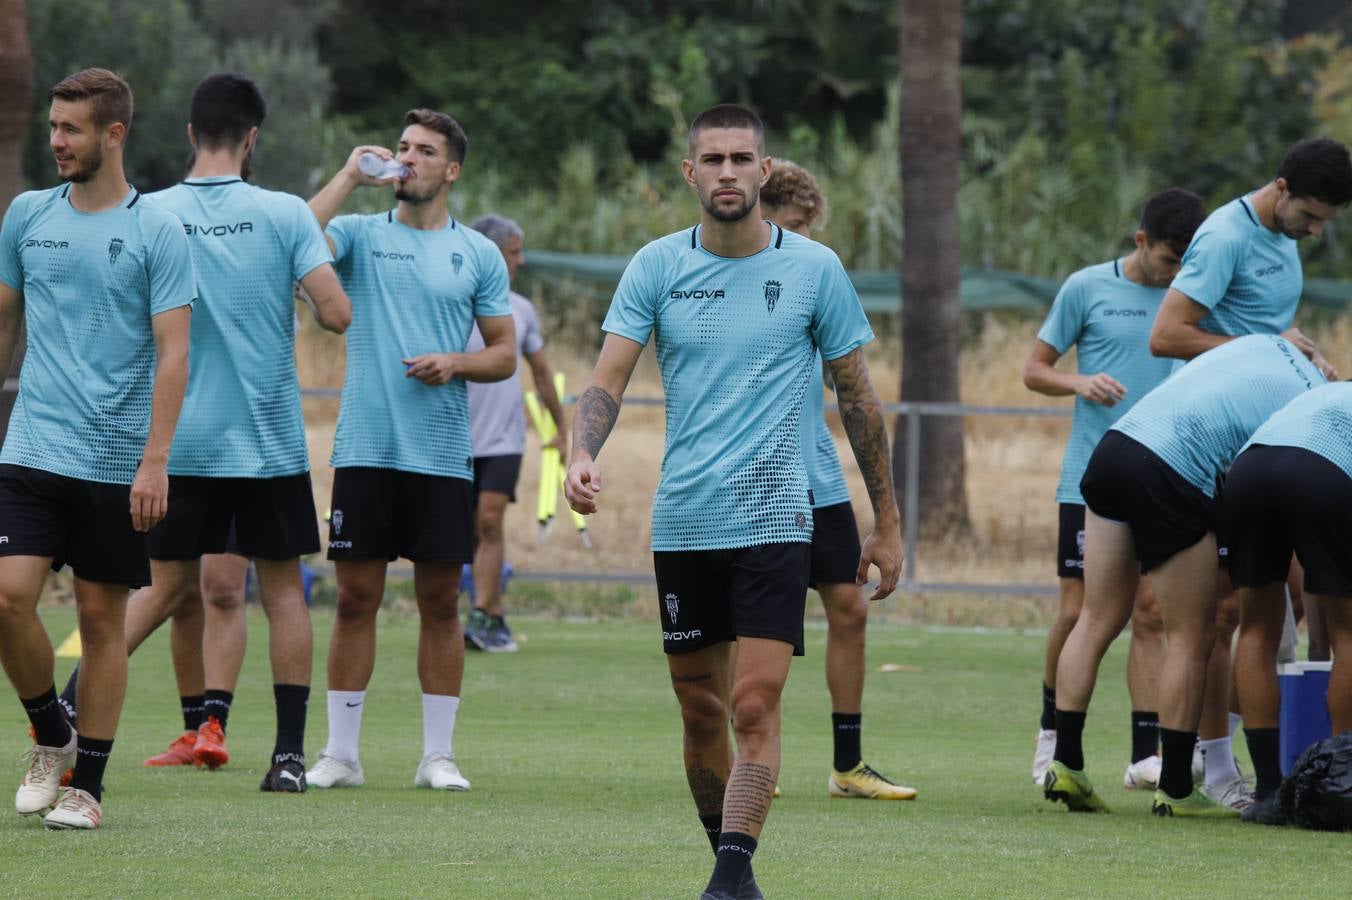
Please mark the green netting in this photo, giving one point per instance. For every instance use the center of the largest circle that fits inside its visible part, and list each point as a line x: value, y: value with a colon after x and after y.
x: 880, y: 292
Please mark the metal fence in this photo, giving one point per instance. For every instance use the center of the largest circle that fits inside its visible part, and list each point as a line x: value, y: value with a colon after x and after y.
x: 915, y: 413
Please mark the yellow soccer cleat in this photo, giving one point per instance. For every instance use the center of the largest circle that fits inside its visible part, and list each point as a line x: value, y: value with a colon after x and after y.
x: 1197, y: 805
x: 863, y: 783
x: 1071, y: 788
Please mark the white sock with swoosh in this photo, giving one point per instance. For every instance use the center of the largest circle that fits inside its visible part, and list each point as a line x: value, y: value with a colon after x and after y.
x: 345, y: 708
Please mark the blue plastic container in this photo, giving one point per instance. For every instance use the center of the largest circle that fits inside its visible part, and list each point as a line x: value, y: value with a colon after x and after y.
x: 1304, y: 717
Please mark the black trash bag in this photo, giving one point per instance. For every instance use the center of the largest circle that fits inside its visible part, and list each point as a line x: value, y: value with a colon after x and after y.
x: 1318, y: 792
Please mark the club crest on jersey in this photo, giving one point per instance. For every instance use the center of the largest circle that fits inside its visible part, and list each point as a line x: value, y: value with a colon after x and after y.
x: 673, y: 604
x: 772, y: 289
x: 457, y: 260
x: 114, y: 250
x: 337, y: 519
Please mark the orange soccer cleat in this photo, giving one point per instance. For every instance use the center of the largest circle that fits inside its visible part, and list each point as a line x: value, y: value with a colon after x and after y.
x: 180, y: 752
x: 210, y: 749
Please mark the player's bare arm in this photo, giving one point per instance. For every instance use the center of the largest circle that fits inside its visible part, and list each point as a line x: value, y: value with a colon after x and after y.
x: 150, y: 488
x: 597, y: 410
x: 332, y: 196
x: 1178, y: 333
x: 326, y: 298
x: 543, y: 374
x: 496, y: 361
x: 11, y: 322
x: 862, y: 414
x: 1040, y: 375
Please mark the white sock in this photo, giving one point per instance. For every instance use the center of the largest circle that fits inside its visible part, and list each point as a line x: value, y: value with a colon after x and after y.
x: 438, y: 723
x: 1236, y: 721
x: 1219, y: 757
x: 345, y: 709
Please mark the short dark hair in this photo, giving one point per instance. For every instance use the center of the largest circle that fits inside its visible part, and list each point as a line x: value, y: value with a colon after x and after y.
x: 1173, y: 216
x: 1318, y: 168
x: 108, y: 93
x: 726, y: 115
x: 224, y: 107
x: 442, y: 124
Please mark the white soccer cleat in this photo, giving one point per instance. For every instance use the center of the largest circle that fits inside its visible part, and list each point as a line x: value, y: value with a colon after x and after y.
x: 1042, y: 756
x: 75, y: 809
x: 1198, y: 766
x: 1235, y: 794
x: 332, y: 772
x: 1143, y: 775
x: 42, y: 782
x: 440, y: 772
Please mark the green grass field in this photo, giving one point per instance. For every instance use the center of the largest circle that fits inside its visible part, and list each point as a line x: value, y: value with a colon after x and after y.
x: 573, y: 747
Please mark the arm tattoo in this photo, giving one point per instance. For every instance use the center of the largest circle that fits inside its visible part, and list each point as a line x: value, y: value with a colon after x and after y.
x: 862, y: 414
x: 596, y: 415
x: 706, y: 787
x: 747, y: 799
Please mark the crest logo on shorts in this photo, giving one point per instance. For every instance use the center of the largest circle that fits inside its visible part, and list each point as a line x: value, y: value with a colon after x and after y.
x: 1079, y: 542
x: 457, y: 260
x: 337, y: 519
x: 673, y: 604
x: 772, y: 289
x: 114, y: 250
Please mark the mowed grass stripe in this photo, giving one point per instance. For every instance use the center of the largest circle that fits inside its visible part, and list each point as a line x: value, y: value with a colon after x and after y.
x: 573, y: 748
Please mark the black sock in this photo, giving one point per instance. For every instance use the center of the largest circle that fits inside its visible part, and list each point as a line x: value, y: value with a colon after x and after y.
x: 1265, y: 750
x: 1048, y: 708
x: 1176, y: 769
x: 50, y: 728
x: 90, y: 760
x: 731, y: 860
x: 291, y: 700
x: 1069, y: 737
x: 216, y: 705
x: 847, y: 728
x: 1145, y: 734
x: 713, y: 827
x: 69, y: 693
x: 192, y: 711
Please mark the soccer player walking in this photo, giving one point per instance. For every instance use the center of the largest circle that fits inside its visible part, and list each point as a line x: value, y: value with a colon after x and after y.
x: 404, y: 485
x: 239, y: 461
x: 103, y: 280
x: 792, y: 200
x: 739, y: 309
x: 497, y: 429
x: 1105, y: 312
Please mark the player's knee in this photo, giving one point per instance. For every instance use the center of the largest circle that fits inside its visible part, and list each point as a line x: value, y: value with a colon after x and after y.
x: 355, y: 603
x: 12, y: 611
x: 488, y: 526
x: 703, y: 713
x: 1146, y: 620
x: 1227, y: 617
x: 440, y: 610
x: 754, y: 712
x: 846, y: 613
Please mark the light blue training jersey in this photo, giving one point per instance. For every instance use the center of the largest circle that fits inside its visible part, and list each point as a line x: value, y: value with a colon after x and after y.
x: 1249, y: 277
x: 91, y: 283
x: 737, y: 343
x: 1319, y: 420
x: 1198, y: 420
x: 825, y: 478
x: 413, y: 292
x: 1107, y: 317
x: 242, y: 416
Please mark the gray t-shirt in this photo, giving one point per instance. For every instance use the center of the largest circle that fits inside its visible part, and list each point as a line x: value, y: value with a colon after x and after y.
x: 497, y: 418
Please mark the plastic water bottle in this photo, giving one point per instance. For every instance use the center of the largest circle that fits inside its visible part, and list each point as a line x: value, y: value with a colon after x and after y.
x: 377, y: 167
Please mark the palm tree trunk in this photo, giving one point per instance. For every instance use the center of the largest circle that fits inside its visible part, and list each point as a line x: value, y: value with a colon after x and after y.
x: 930, y: 144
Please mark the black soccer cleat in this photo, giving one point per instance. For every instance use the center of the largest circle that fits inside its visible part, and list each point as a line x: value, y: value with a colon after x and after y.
x: 286, y: 777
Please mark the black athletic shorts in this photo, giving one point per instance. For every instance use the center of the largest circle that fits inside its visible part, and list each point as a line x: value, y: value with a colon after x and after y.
x: 707, y: 597
x: 386, y: 513
x: 1278, y: 500
x: 497, y: 474
x: 1070, y: 542
x: 835, y: 545
x: 270, y: 518
x: 1127, y: 482
x: 83, y: 524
